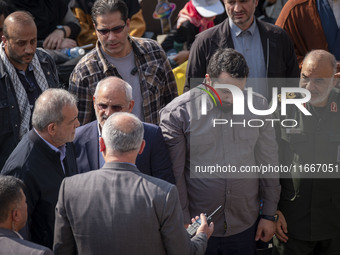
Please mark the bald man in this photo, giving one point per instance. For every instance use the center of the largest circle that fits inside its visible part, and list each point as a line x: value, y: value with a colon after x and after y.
x: 115, y: 95
x: 309, y: 206
x: 25, y: 73
x: 119, y: 210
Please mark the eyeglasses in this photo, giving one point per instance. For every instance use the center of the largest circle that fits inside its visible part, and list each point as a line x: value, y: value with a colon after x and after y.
x: 115, y: 30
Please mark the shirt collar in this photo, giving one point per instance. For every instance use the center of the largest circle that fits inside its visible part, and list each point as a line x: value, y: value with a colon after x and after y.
x: 236, y: 31
x: 61, y: 149
x: 29, y: 68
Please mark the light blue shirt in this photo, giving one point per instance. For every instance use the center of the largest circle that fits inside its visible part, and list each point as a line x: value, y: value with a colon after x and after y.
x: 249, y: 44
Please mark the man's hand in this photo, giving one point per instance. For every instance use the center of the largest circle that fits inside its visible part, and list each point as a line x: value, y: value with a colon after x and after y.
x: 265, y: 230
x: 204, y: 228
x: 68, y: 43
x: 54, y: 40
x: 181, y: 57
x: 281, y: 228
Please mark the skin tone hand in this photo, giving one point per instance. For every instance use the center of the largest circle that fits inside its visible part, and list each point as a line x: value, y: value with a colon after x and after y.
x: 204, y: 228
x: 68, y: 43
x: 281, y: 228
x: 265, y: 230
x: 181, y: 57
x: 54, y: 40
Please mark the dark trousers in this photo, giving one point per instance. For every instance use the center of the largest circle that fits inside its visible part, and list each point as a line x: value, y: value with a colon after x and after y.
x: 240, y: 244
x: 299, y: 247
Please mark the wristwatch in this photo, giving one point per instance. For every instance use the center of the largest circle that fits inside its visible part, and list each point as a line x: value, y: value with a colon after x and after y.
x: 271, y: 218
x: 60, y: 27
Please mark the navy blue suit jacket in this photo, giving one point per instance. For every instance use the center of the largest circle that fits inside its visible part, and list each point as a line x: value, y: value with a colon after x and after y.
x: 154, y: 160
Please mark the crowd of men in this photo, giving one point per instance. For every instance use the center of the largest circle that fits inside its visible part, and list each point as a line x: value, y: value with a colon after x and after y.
x: 119, y: 163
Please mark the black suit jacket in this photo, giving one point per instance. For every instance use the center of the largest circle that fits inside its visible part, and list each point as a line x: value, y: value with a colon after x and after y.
x: 34, y: 162
x: 154, y: 160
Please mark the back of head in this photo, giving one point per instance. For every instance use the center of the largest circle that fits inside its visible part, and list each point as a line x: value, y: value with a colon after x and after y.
x: 122, y: 133
x: 48, y: 107
x: 17, y: 19
x: 229, y: 61
x: 10, y: 194
x: 102, y: 7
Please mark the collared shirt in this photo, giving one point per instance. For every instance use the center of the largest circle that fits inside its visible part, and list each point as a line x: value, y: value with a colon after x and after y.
x: 61, y: 149
x: 100, y: 154
x: 157, y: 81
x: 193, y: 141
x: 30, y: 84
x: 249, y: 44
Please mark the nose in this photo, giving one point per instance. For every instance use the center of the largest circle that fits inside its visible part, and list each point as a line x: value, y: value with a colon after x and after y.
x: 77, y: 123
x: 109, y: 111
x: 29, y: 49
x: 111, y: 36
x: 237, y: 6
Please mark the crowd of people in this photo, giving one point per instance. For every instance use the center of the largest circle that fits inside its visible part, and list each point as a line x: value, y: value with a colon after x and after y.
x: 117, y: 161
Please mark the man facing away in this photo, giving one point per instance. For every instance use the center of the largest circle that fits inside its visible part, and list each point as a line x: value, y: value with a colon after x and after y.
x: 115, y: 95
x: 195, y: 143
x: 309, y: 204
x: 267, y: 49
x: 126, y: 211
x: 13, y: 216
x: 43, y: 158
x: 25, y: 73
x: 140, y: 62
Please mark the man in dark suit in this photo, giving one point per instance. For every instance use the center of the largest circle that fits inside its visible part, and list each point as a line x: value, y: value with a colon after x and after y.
x: 13, y: 216
x: 124, y: 210
x: 115, y: 95
x: 43, y: 158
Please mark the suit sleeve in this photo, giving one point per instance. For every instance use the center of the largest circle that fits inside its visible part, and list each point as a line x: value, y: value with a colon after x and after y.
x: 64, y: 242
x: 175, y: 138
x: 161, y: 166
x: 175, y: 238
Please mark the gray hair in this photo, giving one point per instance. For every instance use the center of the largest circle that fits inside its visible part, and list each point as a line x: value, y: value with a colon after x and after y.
x: 121, y: 135
x: 102, y: 7
x: 49, y: 106
x: 322, y: 54
x: 9, y: 194
x: 115, y: 81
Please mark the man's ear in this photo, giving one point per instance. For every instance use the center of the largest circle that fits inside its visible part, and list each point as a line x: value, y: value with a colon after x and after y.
x: 51, y: 128
x: 131, y: 105
x: 142, y: 146
x: 207, y: 80
x: 102, y: 146
x: 4, y: 39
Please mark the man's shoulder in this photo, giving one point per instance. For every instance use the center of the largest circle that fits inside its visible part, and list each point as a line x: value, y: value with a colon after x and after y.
x: 90, y: 59
x: 86, y: 130
x: 20, y: 246
x: 145, y: 45
x: 213, y: 33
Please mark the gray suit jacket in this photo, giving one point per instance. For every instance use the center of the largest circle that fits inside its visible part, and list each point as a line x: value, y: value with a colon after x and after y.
x: 12, y: 244
x: 119, y: 210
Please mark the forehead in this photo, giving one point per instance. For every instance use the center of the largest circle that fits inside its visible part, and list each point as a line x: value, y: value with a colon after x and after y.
x: 110, y: 19
x: 114, y: 94
x: 317, y: 68
x: 22, y: 32
x: 225, y: 78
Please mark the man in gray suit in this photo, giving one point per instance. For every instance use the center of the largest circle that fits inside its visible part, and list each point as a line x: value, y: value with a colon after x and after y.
x: 118, y: 209
x: 13, y: 216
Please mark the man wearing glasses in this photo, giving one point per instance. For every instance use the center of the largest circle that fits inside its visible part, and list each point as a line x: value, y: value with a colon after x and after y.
x: 140, y: 62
